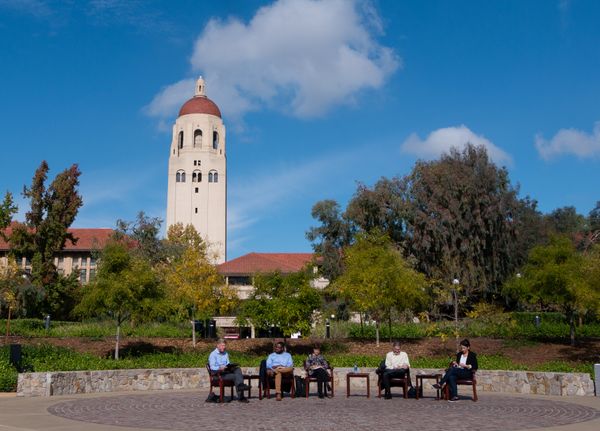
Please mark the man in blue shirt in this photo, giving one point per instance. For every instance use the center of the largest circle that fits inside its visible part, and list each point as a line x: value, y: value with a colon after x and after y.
x: 278, y: 363
x: 218, y: 361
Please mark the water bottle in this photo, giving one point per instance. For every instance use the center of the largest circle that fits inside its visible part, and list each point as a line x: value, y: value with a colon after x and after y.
x: 355, y: 369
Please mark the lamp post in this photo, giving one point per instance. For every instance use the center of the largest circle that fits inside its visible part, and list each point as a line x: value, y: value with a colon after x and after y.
x: 455, y: 284
x: 327, y: 328
x: 332, y: 319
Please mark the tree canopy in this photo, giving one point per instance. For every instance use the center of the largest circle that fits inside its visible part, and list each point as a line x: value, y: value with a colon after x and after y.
x: 557, y: 276
x: 125, y: 286
x: 285, y: 301
x: 377, y: 280
x: 45, y: 232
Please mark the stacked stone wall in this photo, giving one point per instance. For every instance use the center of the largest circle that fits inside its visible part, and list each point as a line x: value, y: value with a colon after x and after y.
x: 82, y: 382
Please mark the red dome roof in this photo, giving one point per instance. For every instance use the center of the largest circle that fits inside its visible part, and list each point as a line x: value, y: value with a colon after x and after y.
x: 200, y: 105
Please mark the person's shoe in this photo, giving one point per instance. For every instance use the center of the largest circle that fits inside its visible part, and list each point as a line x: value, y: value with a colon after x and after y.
x: 321, y: 396
x: 436, y: 386
x: 453, y: 399
x: 329, y: 387
x: 278, y: 397
x: 243, y: 400
x: 388, y: 396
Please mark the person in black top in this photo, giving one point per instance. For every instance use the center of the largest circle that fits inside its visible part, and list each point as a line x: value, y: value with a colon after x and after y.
x: 463, y: 368
x: 316, y: 366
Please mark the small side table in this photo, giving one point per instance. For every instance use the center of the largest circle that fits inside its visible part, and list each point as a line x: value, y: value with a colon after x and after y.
x: 419, y: 380
x: 251, y: 377
x: 358, y: 376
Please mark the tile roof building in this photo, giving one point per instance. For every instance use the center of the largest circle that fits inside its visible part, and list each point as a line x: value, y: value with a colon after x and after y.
x: 76, y: 256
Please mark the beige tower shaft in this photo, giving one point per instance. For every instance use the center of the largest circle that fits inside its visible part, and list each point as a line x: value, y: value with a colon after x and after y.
x: 197, y: 186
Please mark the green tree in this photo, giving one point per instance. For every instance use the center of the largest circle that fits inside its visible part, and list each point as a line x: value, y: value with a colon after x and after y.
x: 566, y: 221
x: 144, y: 232
x: 126, y: 286
x: 285, y: 301
x: 462, y: 221
x: 377, y: 280
x: 553, y: 277
x: 7, y: 210
x: 194, y: 287
x: 329, y: 239
x: 384, y: 207
x: 45, y: 232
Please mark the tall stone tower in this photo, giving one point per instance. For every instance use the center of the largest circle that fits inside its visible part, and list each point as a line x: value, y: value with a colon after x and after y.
x: 197, y: 188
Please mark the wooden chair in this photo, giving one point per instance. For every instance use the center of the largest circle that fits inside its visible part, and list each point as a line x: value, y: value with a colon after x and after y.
x: 403, y: 382
x: 463, y: 382
x: 309, y: 379
x: 216, y: 381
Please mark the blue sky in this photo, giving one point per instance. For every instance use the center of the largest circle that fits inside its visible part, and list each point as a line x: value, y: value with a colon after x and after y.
x: 316, y: 95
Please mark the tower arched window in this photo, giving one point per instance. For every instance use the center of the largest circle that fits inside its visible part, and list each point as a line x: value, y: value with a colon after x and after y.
x: 213, y: 177
x: 197, y: 177
x: 180, y: 140
x: 197, y: 138
x: 180, y: 177
x: 210, y: 177
x: 215, y: 140
x: 216, y: 177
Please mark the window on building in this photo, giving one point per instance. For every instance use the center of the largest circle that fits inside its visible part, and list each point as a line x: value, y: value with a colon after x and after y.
x: 196, y: 190
x: 92, y: 274
x: 197, y: 138
x: 82, y: 274
x: 215, y: 140
x: 180, y: 139
x: 216, y: 177
x: 210, y: 177
x: 180, y: 177
x: 239, y: 281
x: 196, y: 210
x: 196, y: 177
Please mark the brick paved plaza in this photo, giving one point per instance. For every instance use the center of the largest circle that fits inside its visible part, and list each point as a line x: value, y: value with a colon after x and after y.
x: 188, y: 411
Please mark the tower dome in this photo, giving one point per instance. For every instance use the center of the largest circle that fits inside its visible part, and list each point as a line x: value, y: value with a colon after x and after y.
x: 200, y: 104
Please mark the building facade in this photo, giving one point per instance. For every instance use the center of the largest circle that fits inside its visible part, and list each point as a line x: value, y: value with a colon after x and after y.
x: 197, y: 177
x: 77, y: 257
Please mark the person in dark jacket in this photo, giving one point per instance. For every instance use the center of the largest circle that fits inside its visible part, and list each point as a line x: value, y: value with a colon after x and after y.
x: 316, y: 366
x: 463, y: 368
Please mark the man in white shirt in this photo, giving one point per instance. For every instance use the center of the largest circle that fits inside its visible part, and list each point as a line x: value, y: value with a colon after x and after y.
x: 396, y: 366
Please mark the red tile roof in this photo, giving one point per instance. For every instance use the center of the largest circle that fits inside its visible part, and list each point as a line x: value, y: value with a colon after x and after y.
x: 200, y: 105
x: 87, y: 239
x: 252, y: 263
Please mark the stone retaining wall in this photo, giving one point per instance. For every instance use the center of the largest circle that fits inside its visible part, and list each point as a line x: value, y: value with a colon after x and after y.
x: 81, y: 382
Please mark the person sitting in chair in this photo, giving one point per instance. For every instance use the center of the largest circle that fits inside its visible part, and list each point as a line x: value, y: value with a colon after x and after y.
x: 396, y: 366
x: 218, y: 361
x: 316, y: 366
x: 463, y: 368
x: 278, y: 363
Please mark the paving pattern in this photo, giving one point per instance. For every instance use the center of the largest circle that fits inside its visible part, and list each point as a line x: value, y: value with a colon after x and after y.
x: 177, y: 411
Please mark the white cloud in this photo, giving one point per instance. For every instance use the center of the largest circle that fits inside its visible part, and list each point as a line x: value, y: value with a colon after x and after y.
x: 299, y: 56
x: 570, y: 141
x: 36, y: 8
x: 442, y: 140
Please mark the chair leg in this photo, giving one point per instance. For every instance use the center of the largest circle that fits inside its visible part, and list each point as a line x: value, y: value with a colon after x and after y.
x: 405, y: 389
x: 474, y: 392
x: 379, y: 389
x: 306, y: 386
x: 332, y: 387
x: 221, y: 394
x: 293, y: 388
x: 446, y: 392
